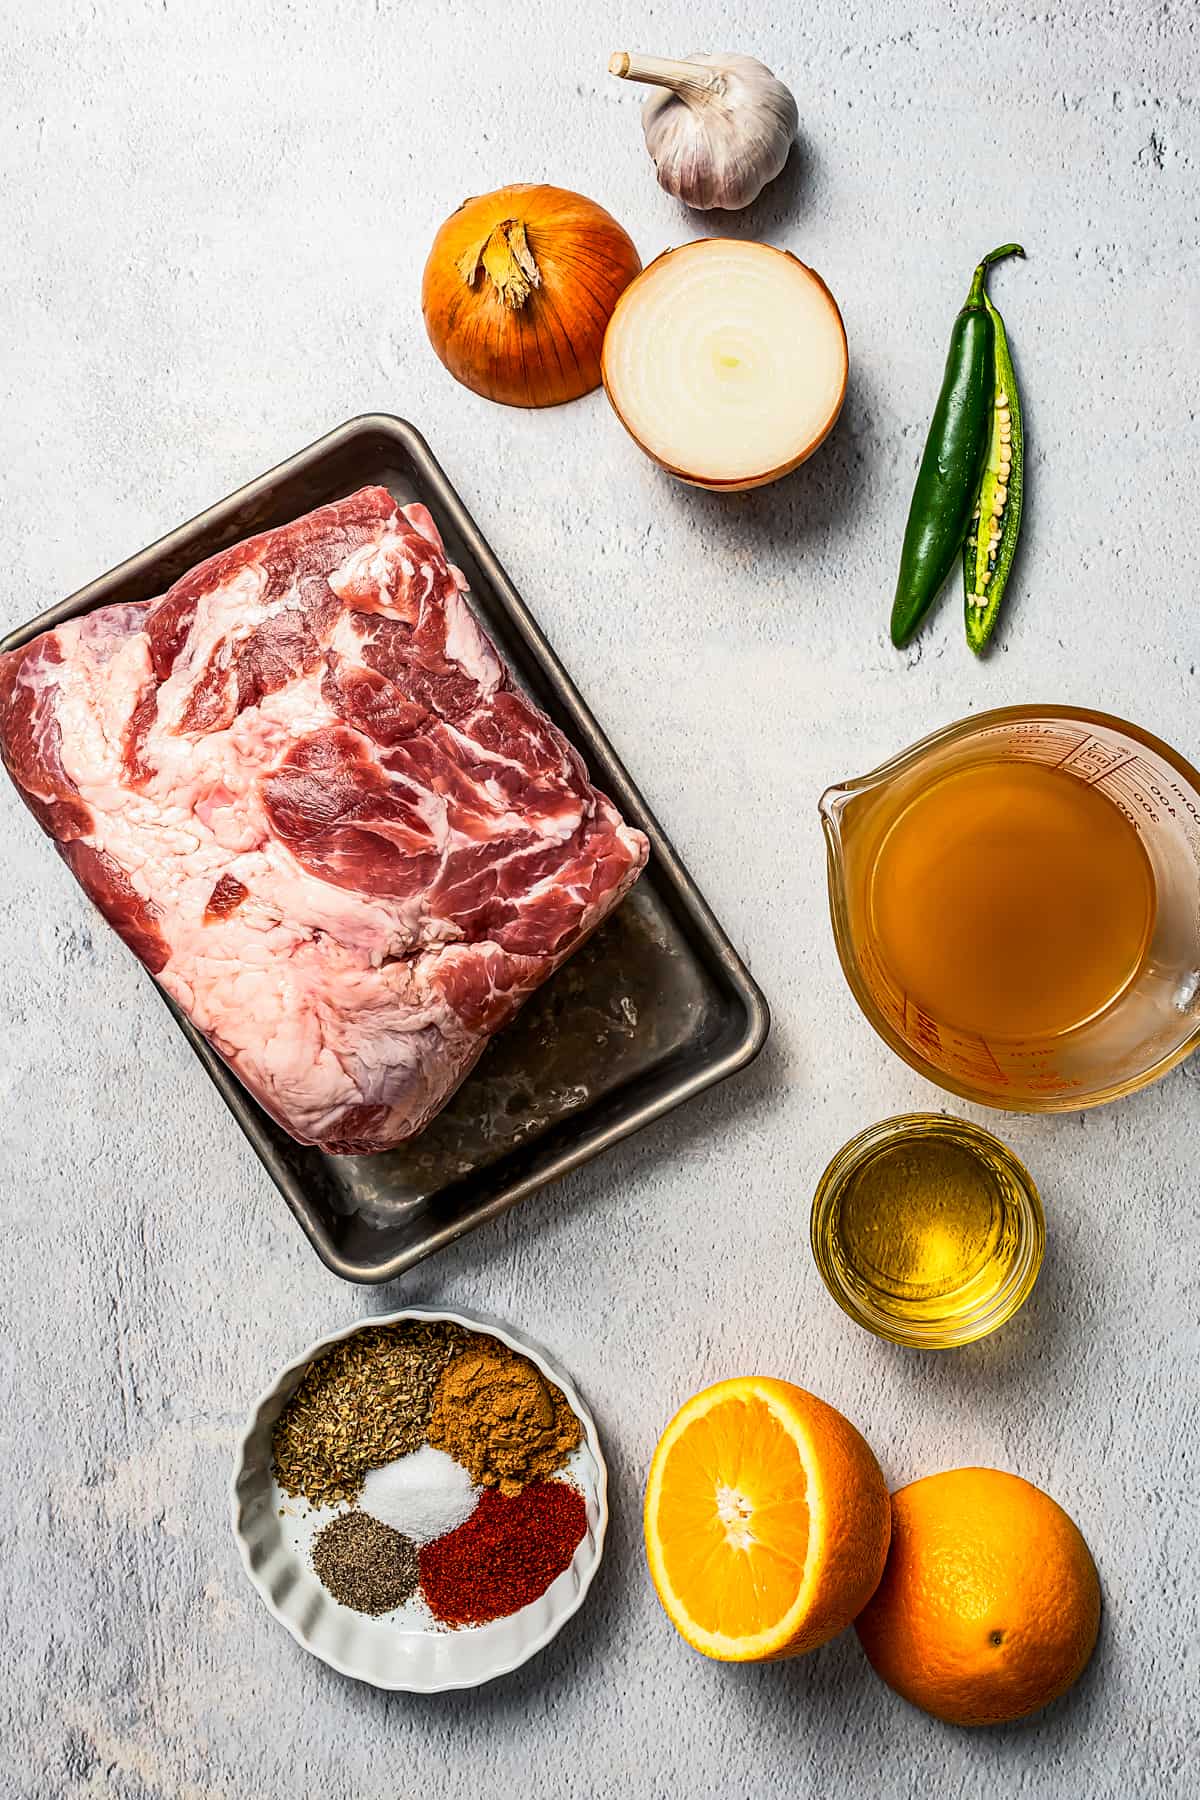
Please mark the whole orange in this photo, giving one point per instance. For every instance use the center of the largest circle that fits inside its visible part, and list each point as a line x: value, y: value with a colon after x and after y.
x: 990, y: 1602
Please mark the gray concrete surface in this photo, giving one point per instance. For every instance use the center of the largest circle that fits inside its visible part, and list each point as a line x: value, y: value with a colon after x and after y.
x: 214, y: 221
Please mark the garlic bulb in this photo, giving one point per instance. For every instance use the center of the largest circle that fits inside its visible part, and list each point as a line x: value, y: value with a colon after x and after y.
x: 718, y: 129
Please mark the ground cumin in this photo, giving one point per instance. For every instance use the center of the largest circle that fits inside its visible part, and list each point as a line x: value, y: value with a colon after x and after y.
x: 494, y: 1413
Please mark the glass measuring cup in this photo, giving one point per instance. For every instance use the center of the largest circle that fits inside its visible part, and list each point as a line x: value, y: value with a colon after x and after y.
x: 1151, y: 1026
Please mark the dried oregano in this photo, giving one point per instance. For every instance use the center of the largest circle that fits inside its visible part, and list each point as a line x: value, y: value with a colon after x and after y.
x: 364, y: 1403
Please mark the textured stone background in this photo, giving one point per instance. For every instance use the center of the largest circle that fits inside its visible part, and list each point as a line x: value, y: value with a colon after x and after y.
x: 214, y: 219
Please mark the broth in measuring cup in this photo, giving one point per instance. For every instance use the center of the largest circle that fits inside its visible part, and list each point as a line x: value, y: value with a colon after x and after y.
x: 1011, y: 900
x: 1016, y: 905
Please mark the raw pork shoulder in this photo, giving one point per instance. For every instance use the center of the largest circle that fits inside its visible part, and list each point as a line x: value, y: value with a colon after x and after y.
x: 304, y: 790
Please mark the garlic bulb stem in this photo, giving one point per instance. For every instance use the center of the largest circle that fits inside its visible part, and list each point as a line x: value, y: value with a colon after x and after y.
x: 661, y: 71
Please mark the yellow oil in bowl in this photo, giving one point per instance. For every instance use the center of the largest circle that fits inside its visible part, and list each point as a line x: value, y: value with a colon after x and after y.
x: 928, y: 1231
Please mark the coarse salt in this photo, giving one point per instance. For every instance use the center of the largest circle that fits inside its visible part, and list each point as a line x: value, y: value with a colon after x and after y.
x: 424, y: 1495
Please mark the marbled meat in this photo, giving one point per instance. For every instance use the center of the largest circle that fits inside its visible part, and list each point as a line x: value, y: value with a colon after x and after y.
x: 303, y: 788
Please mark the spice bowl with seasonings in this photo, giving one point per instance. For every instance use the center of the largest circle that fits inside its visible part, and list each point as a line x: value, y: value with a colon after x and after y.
x: 421, y: 1499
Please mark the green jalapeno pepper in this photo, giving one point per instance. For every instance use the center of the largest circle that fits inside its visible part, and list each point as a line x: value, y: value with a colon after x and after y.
x: 992, y: 539
x: 952, y: 467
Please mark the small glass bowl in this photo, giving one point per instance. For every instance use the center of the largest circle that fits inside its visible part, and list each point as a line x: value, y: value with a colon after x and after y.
x: 1023, y: 1231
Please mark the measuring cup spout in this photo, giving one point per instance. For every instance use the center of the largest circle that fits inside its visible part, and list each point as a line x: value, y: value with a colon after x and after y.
x: 832, y: 806
x: 832, y: 802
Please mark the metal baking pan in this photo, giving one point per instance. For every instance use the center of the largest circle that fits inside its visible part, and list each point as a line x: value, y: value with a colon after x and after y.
x: 655, y: 1008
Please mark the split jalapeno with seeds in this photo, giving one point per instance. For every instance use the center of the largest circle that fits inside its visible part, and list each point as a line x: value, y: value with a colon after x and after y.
x: 955, y: 458
x: 992, y: 539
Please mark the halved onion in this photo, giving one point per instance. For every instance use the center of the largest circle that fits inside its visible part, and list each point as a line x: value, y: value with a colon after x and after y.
x: 726, y: 361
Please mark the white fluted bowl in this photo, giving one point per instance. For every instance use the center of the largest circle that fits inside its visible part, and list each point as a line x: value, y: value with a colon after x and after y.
x: 414, y: 1655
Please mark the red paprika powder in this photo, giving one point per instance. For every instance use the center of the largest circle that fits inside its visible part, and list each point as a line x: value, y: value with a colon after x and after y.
x: 507, y: 1553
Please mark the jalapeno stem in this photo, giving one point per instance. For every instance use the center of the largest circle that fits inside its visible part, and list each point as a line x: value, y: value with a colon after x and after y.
x: 975, y: 297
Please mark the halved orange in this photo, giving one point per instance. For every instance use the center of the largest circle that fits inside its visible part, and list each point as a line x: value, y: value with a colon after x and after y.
x: 767, y: 1520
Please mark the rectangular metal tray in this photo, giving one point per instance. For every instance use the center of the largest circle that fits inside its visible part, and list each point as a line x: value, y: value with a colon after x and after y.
x: 655, y: 1008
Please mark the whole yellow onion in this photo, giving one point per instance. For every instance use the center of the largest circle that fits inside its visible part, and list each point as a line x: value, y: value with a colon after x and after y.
x: 518, y: 289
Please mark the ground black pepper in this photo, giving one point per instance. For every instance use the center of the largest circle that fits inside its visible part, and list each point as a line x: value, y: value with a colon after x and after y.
x: 365, y: 1564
